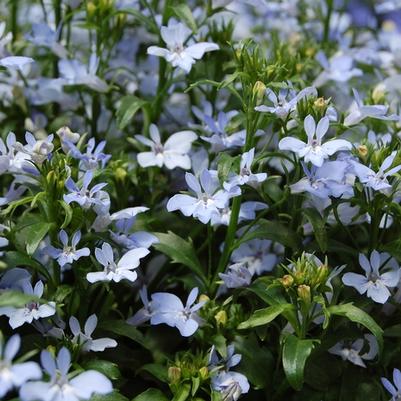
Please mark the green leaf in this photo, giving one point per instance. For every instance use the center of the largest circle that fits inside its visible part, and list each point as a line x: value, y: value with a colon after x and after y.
x: 108, y: 368
x: 319, y: 227
x: 265, y: 316
x: 180, y: 251
x: 68, y: 213
x: 183, y: 392
x: 122, y: 328
x: 15, y: 298
x: 34, y: 234
x: 151, y: 394
x: 357, y: 315
x: 295, y: 353
x: 19, y: 259
x: 129, y: 106
x: 274, y: 231
x: 114, y: 396
x: 157, y: 370
x: 183, y: 12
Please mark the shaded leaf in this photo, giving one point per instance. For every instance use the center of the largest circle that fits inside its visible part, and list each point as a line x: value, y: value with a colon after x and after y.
x: 265, y: 316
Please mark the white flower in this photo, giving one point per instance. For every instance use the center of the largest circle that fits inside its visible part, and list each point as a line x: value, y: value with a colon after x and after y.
x: 14, y: 375
x: 314, y: 151
x: 60, y: 387
x: 32, y: 310
x: 175, y: 35
x: 359, y: 112
x: 174, y: 153
x: 85, y: 338
x: 116, y: 271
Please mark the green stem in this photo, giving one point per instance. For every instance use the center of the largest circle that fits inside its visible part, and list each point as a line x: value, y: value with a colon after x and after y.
x: 326, y: 31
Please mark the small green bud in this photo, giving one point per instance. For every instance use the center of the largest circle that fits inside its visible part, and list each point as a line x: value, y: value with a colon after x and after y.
x: 204, y: 373
x: 221, y: 317
x: 287, y: 281
x: 174, y: 374
x: 304, y: 293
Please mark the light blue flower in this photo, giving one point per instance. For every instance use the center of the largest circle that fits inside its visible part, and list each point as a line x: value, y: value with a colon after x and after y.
x: 84, y: 196
x: 93, y: 158
x: 393, y: 389
x: 75, y: 73
x: 237, y: 275
x: 68, y: 254
x: 374, y: 283
x: 174, y: 153
x: 85, y: 340
x: 286, y: 101
x: 13, y: 193
x: 168, y: 309
x: 60, y: 387
x: 15, y: 375
x: 43, y: 35
x: 340, y: 68
x: 144, y: 314
x: 314, y: 151
x: 116, y: 271
x: 359, y: 112
x: 352, y: 352
x: 175, y: 35
x: 14, y: 63
x: 32, y: 310
x: 245, y: 175
x: 208, y: 200
x: 377, y: 181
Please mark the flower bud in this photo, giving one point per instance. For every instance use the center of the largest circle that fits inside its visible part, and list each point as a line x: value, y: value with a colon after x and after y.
x: 174, y: 374
x: 204, y: 373
x: 304, y: 293
x: 90, y: 9
x: 204, y: 298
x: 259, y: 90
x: 221, y: 317
x: 287, y: 281
x: 378, y: 93
x: 120, y: 174
x: 362, y: 150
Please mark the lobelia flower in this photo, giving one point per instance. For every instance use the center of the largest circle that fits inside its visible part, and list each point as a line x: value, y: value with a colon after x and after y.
x: 281, y: 106
x: 93, y: 158
x: 43, y: 35
x: 333, y: 178
x: 237, y: 275
x: 220, y: 140
x: 393, y: 389
x: 125, y: 219
x: 175, y: 35
x: 245, y: 175
x: 15, y: 279
x: 314, y: 151
x: 359, y: 112
x: 257, y: 255
x: 377, y: 181
x: 209, y: 197
x: 33, y: 310
x: 374, y: 283
x: 144, y: 314
x: 230, y: 384
x: 11, y: 159
x: 14, y: 63
x: 60, y: 387
x: 339, y: 69
x: 352, y: 352
x: 13, y: 193
x: 38, y: 150
x: 247, y: 212
x: 83, y: 196
x: 74, y: 72
x: 14, y: 375
x: 116, y: 271
x: 68, y: 254
x: 168, y: 309
x: 67, y: 137
x: 174, y: 153
x: 85, y: 340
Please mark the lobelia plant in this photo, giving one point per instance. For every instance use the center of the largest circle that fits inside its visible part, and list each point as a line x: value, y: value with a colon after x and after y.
x: 200, y: 200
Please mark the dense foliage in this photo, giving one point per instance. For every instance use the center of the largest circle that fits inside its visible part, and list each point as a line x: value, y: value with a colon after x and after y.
x: 200, y: 200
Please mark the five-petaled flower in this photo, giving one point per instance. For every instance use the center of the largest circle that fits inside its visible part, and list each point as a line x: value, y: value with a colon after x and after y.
x: 314, y: 151
x: 175, y: 35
